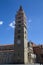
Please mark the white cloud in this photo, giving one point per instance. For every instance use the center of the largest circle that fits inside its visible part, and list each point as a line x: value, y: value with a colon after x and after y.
x: 12, y: 24
x: 1, y: 22
x: 29, y: 24
x: 29, y: 20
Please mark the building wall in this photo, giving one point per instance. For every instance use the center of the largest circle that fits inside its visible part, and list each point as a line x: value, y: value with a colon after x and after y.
x: 7, y: 57
x: 38, y: 50
x: 31, y: 55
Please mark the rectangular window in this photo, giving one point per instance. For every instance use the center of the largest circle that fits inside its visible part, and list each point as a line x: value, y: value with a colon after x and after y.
x: 19, y: 17
x: 19, y: 31
x: 19, y: 21
x: 18, y: 36
x: 19, y: 25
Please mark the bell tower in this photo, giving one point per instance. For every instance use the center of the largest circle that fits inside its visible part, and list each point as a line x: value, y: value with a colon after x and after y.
x: 20, y: 38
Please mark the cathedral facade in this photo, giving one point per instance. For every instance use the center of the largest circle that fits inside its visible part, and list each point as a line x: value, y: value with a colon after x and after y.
x: 21, y: 52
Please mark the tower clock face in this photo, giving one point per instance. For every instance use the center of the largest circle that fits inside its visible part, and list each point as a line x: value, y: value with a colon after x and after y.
x: 18, y: 41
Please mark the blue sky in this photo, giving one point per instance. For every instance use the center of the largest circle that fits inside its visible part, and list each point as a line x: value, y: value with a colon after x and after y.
x: 34, y: 12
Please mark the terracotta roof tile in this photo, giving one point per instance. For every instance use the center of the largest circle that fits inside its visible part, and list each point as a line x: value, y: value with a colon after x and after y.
x: 7, y: 51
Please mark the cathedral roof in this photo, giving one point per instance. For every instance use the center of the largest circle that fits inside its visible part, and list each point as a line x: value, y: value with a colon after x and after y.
x: 7, y: 45
x: 7, y: 51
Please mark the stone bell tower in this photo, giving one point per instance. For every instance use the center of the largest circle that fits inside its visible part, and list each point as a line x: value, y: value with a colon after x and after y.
x: 20, y: 39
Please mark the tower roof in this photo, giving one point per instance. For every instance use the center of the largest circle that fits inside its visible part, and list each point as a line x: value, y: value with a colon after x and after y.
x: 21, y: 9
